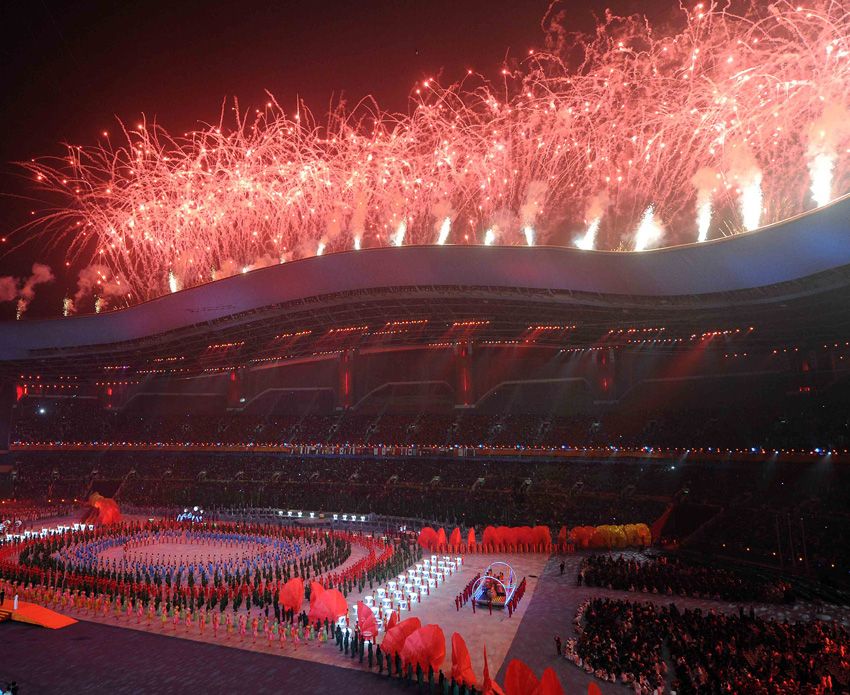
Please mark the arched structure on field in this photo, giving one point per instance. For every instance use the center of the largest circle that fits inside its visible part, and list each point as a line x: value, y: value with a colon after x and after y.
x: 497, y: 585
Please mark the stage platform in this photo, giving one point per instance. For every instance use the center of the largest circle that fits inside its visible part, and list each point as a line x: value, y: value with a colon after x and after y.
x: 34, y: 614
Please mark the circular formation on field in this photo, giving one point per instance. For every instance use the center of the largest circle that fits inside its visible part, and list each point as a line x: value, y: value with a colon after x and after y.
x: 201, y: 552
x: 154, y: 551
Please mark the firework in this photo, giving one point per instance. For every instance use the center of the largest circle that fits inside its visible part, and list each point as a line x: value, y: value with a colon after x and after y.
x: 648, y: 231
x: 588, y: 241
x: 687, y: 131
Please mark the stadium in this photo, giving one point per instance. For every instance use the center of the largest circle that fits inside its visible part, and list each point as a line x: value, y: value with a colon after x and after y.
x: 420, y: 387
x: 562, y: 348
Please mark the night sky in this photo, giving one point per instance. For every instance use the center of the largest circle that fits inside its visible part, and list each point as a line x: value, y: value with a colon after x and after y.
x: 70, y: 68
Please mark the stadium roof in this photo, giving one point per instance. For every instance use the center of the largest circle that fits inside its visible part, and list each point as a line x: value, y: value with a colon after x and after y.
x: 797, y: 271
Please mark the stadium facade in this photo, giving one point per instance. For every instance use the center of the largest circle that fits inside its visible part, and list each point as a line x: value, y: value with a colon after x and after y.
x: 421, y: 329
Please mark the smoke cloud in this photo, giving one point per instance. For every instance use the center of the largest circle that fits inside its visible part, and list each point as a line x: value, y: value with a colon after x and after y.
x: 97, y: 281
x: 23, y: 289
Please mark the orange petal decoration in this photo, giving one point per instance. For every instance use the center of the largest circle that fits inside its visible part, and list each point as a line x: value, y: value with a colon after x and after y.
x: 519, y: 679
x: 330, y: 604
x: 489, y: 687
x: 426, y: 647
x: 396, y: 637
x: 366, y: 619
x: 461, y: 663
x: 549, y: 684
x: 291, y: 594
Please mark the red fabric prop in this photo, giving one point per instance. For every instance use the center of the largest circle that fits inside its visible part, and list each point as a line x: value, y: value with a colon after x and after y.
x: 454, y: 539
x: 579, y: 536
x: 100, y: 510
x: 292, y: 594
x: 330, y: 604
x: 470, y: 539
x: 316, y: 590
x: 593, y: 689
x: 490, y: 537
x: 525, y: 535
x: 505, y: 535
x: 393, y: 621
x: 543, y: 535
x: 426, y: 647
x: 461, y: 663
x: 441, y: 537
x: 394, y: 639
x: 427, y: 538
x: 549, y: 684
x: 489, y: 687
x: 519, y: 679
x: 562, y: 535
x: 366, y: 619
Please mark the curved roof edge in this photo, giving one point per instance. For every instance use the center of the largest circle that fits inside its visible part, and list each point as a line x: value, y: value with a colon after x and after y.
x: 812, y: 243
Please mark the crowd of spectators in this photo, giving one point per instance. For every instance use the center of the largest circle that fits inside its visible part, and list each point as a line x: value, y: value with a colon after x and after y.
x: 710, y: 653
x: 788, y: 515
x: 84, y: 420
x: 477, y: 492
x: 679, y: 577
x: 751, y: 514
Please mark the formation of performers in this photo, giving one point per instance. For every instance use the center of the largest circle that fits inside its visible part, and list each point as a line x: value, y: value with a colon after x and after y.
x: 253, y: 553
x: 463, y: 597
x: 70, y: 562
